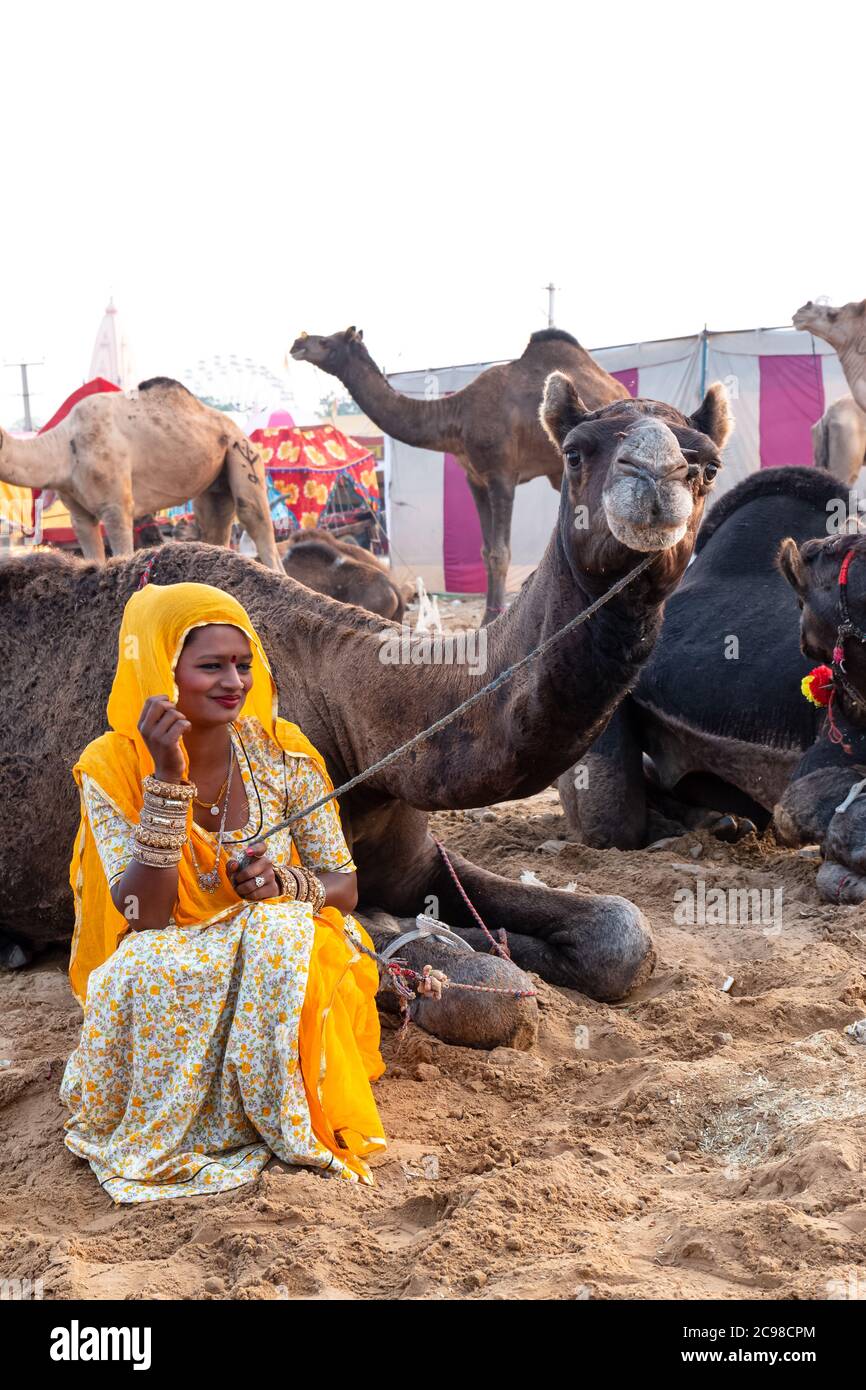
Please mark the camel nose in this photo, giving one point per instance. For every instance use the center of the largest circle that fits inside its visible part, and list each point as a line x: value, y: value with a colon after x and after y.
x: 658, y: 471
x: 651, y: 452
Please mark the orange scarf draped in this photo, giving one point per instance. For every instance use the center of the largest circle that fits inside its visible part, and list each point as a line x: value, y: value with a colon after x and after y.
x: 156, y: 621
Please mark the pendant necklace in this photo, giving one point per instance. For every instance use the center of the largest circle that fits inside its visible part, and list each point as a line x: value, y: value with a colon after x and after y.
x: 210, y: 881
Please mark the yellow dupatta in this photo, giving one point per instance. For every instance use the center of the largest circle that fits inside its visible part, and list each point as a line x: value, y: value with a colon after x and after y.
x: 156, y: 621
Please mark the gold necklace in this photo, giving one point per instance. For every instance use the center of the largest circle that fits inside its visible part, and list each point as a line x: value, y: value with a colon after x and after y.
x: 213, y: 806
x: 210, y: 881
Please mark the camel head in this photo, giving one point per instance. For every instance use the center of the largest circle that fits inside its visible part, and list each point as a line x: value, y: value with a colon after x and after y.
x: 836, y: 326
x: 812, y: 569
x: 638, y: 471
x: 331, y: 354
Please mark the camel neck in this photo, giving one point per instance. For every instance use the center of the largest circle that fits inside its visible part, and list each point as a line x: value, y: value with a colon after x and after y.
x: 40, y: 462
x: 424, y: 424
x: 561, y: 703
x: 854, y: 367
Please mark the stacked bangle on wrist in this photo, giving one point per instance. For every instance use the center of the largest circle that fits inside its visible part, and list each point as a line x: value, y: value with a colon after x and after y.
x: 301, y: 885
x: 161, y: 831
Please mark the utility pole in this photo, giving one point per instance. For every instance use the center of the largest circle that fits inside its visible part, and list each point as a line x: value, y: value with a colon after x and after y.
x: 551, y: 291
x: 25, y: 388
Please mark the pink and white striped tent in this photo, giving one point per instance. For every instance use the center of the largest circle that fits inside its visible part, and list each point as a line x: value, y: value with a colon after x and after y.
x: 779, y: 381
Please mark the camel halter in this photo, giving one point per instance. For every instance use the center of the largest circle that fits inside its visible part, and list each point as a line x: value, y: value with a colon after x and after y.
x: 846, y: 628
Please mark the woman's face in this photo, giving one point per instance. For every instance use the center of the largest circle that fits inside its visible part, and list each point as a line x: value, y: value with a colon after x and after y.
x: 213, y: 674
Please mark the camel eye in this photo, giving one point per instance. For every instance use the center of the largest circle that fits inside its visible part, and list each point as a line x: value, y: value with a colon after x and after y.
x: 572, y: 457
x: 710, y: 471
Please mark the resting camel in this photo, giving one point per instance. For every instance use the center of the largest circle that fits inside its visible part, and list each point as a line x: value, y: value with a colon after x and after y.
x: 636, y: 477
x: 823, y: 802
x: 839, y: 440
x: 116, y: 457
x: 343, y: 571
x: 718, y: 708
x: 491, y: 426
x: 845, y: 330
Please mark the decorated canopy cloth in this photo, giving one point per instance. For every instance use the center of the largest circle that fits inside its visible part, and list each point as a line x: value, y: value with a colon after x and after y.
x: 302, y: 468
x: 242, y: 1029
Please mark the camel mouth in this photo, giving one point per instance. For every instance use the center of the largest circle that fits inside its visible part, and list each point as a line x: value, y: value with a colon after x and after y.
x: 644, y: 538
x: 648, y: 515
x: 298, y: 351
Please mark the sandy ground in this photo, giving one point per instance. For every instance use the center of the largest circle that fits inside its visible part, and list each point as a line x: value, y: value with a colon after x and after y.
x: 689, y: 1143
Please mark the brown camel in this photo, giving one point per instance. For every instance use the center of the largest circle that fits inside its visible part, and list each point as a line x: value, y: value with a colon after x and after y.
x: 839, y: 440
x: 491, y: 426
x: 343, y: 571
x: 116, y: 457
x: 845, y: 330
x: 824, y: 802
x: 636, y: 477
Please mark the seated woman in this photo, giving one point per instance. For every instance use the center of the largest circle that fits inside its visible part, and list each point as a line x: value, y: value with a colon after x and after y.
x: 228, y: 1014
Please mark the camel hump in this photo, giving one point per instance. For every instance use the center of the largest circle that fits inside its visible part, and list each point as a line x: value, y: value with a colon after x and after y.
x: 552, y: 335
x: 163, y: 383
x: 809, y: 485
x: 313, y: 545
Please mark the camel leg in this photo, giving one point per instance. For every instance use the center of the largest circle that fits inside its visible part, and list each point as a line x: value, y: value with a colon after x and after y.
x: 604, y: 795
x: 247, y: 482
x: 482, y: 506
x: 118, y: 522
x: 214, y: 512
x: 598, y: 944
x: 87, y: 530
x: 492, y: 1017
x: 500, y: 498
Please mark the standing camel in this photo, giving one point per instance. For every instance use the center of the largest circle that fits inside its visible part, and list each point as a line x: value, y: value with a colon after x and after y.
x: 115, y: 457
x: 839, y: 440
x: 491, y: 426
x: 639, y: 473
x: 845, y: 330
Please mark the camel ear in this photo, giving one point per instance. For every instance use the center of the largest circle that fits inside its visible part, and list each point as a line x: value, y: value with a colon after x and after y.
x: 354, y: 335
x: 791, y: 565
x: 561, y: 407
x: 714, y: 416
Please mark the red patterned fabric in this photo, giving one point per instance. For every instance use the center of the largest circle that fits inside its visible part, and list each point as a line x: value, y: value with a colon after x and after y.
x: 303, y: 466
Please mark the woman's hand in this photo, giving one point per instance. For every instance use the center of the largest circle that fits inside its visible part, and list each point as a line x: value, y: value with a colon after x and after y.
x: 162, y: 726
x: 244, y: 880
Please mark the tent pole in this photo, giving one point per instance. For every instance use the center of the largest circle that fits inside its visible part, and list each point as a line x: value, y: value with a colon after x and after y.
x: 705, y: 352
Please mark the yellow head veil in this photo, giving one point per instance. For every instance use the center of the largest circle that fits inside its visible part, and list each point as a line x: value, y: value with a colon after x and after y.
x: 156, y: 621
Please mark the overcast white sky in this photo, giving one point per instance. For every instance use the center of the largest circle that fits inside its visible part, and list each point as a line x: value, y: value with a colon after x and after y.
x: 233, y: 173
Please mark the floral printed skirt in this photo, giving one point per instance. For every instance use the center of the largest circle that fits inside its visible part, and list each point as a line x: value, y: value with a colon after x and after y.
x: 207, y: 1050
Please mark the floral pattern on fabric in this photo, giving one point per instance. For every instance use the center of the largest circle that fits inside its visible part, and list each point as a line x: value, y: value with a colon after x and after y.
x: 187, y: 1078
x: 189, y: 1074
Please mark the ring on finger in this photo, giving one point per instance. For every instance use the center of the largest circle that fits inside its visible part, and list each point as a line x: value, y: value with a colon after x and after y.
x: 259, y: 881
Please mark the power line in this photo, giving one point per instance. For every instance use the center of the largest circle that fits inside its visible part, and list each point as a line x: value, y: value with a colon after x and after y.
x: 25, y: 388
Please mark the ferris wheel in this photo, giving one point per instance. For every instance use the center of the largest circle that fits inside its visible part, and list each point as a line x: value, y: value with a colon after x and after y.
x: 237, y: 383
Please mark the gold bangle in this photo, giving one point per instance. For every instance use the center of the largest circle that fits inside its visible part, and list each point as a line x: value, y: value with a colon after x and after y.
x: 320, y: 893
x: 174, y: 790
x: 293, y: 886
x: 165, y: 805
x: 157, y: 839
x: 162, y: 814
x: 154, y: 858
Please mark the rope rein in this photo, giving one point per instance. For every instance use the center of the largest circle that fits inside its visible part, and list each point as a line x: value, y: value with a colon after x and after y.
x: 430, y: 982
x: 435, y: 728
